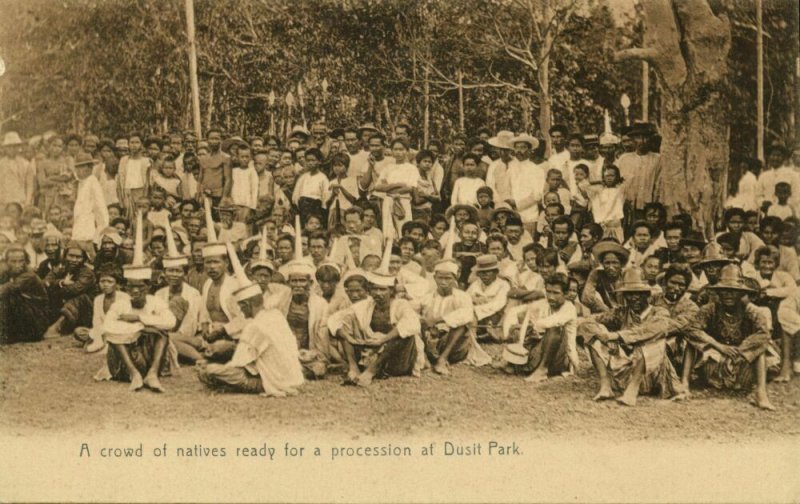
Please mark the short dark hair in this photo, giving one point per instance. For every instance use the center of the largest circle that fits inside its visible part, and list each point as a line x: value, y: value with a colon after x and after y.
x: 547, y: 257
x: 354, y: 210
x: 473, y: 157
x: 559, y: 279
x: 563, y: 219
x: 595, y: 229
x: 340, y: 158
x: 314, y: 152
x: 424, y: 154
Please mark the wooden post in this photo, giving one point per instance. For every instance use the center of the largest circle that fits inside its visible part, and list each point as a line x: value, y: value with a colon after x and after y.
x: 645, y: 90
x: 461, y: 100
x: 759, y: 82
x: 193, y: 68
x: 426, y: 129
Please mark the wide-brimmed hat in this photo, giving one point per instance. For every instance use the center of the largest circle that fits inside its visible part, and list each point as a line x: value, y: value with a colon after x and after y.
x: 609, y: 139
x: 486, y: 262
x: 633, y: 281
x: 367, y: 126
x: 712, y: 254
x: 731, y: 277
x: 524, y: 137
x: 503, y: 140
x: 300, y: 131
x: 234, y: 140
x: 694, y: 238
x: 83, y: 159
x: 604, y: 247
x: 473, y: 212
x: 11, y: 139
x: 503, y: 208
x: 591, y: 139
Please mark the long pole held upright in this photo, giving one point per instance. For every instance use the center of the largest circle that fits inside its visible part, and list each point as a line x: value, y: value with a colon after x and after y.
x: 193, y: 68
x: 759, y: 81
x: 645, y: 91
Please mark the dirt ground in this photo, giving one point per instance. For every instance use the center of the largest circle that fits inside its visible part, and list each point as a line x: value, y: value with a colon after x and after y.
x: 47, y: 387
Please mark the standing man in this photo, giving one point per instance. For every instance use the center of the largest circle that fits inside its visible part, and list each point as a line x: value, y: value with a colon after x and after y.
x: 90, y: 213
x: 19, y: 177
x: 527, y: 181
x: 216, y: 180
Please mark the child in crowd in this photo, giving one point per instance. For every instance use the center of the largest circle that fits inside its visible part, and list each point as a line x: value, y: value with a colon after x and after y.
x: 158, y: 214
x: 528, y: 284
x: 607, y: 202
x: 651, y: 267
x: 782, y: 209
x: 579, y: 200
x: 467, y: 249
x: 465, y: 190
x: 426, y: 193
x: 342, y: 190
x: 485, y: 207
x: 244, y: 192
x: 555, y: 183
x: 166, y: 178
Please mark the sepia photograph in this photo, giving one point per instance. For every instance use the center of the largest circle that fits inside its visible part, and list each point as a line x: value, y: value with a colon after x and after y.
x: 400, y: 250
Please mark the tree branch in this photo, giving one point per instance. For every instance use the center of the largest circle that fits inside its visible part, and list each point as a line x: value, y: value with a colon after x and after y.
x: 640, y: 53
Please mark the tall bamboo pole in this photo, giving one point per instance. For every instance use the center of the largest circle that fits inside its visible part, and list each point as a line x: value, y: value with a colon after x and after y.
x: 759, y: 82
x: 461, y: 100
x: 193, y: 68
x: 645, y: 91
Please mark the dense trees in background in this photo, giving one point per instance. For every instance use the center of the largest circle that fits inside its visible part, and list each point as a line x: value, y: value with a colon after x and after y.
x: 109, y: 66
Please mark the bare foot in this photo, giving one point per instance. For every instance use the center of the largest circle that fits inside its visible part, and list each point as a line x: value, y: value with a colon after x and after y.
x: 136, y: 383
x: 784, y: 377
x: 352, y: 375
x: 364, y: 379
x: 604, y: 394
x: 762, y: 401
x: 627, y: 400
x: 685, y: 396
x: 441, y: 368
x: 151, y: 380
x: 536, y: 377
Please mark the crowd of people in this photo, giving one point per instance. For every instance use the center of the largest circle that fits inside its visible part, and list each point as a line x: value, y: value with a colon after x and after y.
x: 348, y: 253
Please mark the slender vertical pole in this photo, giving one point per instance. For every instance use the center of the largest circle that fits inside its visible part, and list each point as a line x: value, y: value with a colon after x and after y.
x: 645, y: 90
x: 426, y: 121
x: 193, y: 68
x: 461, y: 100
x: 759, y: 81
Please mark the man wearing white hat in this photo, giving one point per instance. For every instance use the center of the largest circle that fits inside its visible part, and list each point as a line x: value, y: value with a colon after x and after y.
x: 266, y: 360
x: 497, y: 172
x: 527, y: 180
x: 19, y: 177
x: 381, y: 334
x: 448, y: 321
x: 184, y: 301
x: 90, y: 213
x: 220, y: 316
x: 136, y: 328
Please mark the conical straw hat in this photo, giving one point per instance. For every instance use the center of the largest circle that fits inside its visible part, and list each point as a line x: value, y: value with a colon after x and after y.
x: 137, y: 269
x: 214, y: 247
x: 173, y: 259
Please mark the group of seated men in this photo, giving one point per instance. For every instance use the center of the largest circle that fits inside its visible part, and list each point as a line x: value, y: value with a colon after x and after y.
x: 664, y: 310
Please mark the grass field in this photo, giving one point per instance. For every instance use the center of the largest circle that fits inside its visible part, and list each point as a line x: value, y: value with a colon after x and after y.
x: 48, y: 388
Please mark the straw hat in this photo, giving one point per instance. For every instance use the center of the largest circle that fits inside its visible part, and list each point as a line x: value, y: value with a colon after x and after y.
x: 633, y: 280
x: 261, y: 261
x: 234, y: 140
x: 731, y: 278
x: 694, y: 238
x: 367, y: 126
x: 137, y: 269
x: 503, y: 208
x: 299, y: 266
x: 486, y: 262
x: 299, y: 132
x: 524, y: 137
x: 604, y: 247
x: 712, y: 254
x: 83, y: 159
x: 473, y: 212
x: 11, y: 139
x: 503, y: 140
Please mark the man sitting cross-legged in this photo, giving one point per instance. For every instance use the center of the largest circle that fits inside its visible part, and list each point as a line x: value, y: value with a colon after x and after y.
x: 266, y: 360
x: 448, y: 322
x: 551, y: 341
x: 381, y: 334
x: 732, y: 338
x: 628, y: 345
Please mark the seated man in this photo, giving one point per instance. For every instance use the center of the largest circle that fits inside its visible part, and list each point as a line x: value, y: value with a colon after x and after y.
x: 551, y: 341
x: 710, y: 266
x: 266, y: 360
x: 677, y: 301
x: 489, y: 296
x: 381, y: 334
x: 71, y: 290
x: 136, y: 331
x: 185, y: 302
x: 600, y: 292
x: 628, y: 345
x: 733, y: 340
x: 305, y: 313
x: 220, y: 318
x: 23, y: 299
x: 448, y: 322
x: 789, y: 319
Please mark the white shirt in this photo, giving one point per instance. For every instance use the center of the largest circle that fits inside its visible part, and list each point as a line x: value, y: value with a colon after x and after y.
x: 527, y: 183
x: 244, y: 191
x: 135, y: 171
x: 191, y: 320
x: 465, y: 191
x: 310, y: 186
x: 90, y: 212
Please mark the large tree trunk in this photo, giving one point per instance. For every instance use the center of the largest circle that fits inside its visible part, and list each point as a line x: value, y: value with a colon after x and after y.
x: 687, y: 44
